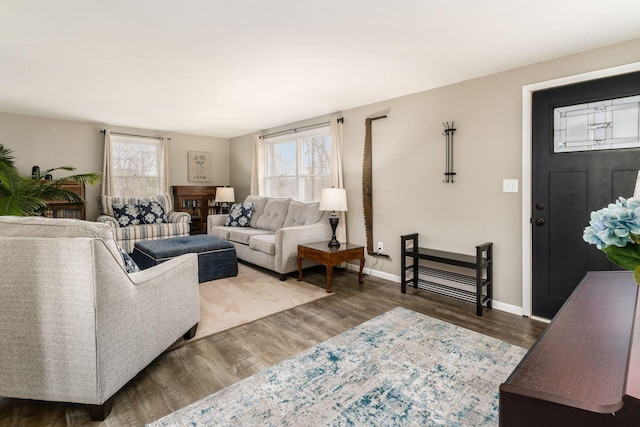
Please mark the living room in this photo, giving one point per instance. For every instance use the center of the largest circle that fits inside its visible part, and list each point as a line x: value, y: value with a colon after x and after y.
x: 409, y: 194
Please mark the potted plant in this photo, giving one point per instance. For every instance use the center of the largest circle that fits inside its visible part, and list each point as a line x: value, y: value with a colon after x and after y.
x: 24, y: 196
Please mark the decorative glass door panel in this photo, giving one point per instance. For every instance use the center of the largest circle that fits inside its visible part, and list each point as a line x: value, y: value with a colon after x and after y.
x: 602, y: 125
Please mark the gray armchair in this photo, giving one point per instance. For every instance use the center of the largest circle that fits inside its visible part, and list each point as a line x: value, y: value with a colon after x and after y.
x: 74, y: 325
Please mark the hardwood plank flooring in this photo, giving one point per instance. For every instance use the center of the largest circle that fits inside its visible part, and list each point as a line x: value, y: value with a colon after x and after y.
x: 184, y: 375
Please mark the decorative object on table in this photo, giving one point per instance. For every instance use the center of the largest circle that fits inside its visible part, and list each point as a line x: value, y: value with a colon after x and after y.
x: 335, y: 200
x: 367, y: 185
x: 224, y: 196
x: 615, y: 230
x: 400, y: 368
x: 25, y: 196
x: 449, y: 130
x: 48, y: 176
x: 199, y: 164
x: 35, y: 172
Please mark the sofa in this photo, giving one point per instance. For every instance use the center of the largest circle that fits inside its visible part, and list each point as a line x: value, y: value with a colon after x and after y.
x: 120, y: 214
x: 75, y: 326
x: 266, y: 231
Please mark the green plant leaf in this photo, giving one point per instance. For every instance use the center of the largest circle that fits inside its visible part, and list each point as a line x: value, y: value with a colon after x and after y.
x: 26, y: 196
x: 636, y: 275
x: 627, y: 257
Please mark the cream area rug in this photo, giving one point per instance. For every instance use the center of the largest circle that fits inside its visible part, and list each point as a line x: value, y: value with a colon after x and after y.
x: 251, y: 295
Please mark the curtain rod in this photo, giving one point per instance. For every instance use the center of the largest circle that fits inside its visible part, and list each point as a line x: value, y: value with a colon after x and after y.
x: 137, y: 136
x: 294, y: 130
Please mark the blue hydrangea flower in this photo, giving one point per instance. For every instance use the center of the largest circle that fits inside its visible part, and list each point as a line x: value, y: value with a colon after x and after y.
x: 615, y: 225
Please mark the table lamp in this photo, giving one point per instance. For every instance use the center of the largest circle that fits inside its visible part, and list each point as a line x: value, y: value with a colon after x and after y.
x: 333, y: 199
x: 225, y: 195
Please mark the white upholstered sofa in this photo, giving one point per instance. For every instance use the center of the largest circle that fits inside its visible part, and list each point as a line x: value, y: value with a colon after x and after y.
x: 276, y: 228
x: 177, y: 224
x: 74, y: 325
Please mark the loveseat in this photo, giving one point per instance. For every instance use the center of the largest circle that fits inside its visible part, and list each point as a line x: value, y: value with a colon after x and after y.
x: 75, y: 326
x: 270, y: 230
x: 120, y: 214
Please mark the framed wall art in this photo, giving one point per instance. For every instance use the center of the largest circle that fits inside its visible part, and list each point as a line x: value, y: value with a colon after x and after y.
x: 199, y: 164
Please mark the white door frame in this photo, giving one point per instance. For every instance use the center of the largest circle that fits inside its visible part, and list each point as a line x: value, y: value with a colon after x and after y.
x: 527, y: 92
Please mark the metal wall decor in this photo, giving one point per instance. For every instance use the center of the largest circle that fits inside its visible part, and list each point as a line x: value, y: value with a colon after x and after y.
x: 448, y: 172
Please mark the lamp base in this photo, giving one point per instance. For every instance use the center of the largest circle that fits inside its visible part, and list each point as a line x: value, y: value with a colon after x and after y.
x: 333, y: 221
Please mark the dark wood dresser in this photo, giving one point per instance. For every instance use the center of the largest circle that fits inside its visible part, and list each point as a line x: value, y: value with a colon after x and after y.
x: 585, y: 368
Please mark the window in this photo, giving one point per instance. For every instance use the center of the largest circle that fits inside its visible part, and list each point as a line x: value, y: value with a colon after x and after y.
x: 136, y: 165
x: 298, y: 165
x: 603, y: 125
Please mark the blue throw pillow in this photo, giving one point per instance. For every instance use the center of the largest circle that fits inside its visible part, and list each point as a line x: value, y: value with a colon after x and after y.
x: 129, y: 264
x: 152, y: 212
x: 239, y: 215
x: 127, y: 214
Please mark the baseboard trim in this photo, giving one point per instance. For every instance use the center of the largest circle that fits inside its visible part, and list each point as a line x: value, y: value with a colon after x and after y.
x: 497, y: 305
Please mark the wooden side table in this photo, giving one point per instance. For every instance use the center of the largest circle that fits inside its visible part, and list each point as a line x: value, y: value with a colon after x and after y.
x: 321, y: 252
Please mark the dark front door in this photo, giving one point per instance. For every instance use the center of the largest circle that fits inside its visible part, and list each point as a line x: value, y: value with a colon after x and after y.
x: 566, y: 187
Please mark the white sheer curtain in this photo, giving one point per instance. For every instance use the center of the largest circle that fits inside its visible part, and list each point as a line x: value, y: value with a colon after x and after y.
x: 165, y: 187
x: 257, y: 169
x: 336, y: 172
x: 107, y: 168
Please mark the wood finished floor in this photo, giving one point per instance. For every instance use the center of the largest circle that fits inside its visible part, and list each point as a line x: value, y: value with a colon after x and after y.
x: 189, y: 373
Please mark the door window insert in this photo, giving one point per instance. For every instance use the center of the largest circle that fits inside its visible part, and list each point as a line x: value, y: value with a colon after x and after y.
x: 602, y: 125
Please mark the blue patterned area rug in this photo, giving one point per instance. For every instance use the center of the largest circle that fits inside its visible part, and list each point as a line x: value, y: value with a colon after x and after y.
x: 400, y: 368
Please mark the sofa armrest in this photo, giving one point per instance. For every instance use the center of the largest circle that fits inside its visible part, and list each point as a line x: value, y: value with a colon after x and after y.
x: 213, y: 220
x: 174, y: 216
x: 139, y: 315
x: 109, y: 220
x: 288, y: 239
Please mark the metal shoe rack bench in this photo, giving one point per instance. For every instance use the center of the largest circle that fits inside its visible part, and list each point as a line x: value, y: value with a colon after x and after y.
x: 480, y: 287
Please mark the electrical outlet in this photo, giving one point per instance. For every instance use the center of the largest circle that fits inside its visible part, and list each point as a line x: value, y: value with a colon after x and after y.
x: 380, y: 247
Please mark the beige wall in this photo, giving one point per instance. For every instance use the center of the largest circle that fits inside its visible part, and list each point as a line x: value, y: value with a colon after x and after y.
x: 409, y: 156
x: 50, y: 143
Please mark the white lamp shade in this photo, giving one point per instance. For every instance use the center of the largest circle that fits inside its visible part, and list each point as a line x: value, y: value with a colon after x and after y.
x: 333, y: 199
x: 225, y: 195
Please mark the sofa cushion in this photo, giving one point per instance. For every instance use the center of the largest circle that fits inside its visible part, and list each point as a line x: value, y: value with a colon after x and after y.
x: 302, y: 214
x: 275, y: 212
x: 240, y: 215
x: 219, y: 231
x: 127, y: 214
x: 151, y: 212
x: 258, y: 202
x: 107, y: 202
x: 129, y: 264
x: 244, y: 234
x: 264, y: 243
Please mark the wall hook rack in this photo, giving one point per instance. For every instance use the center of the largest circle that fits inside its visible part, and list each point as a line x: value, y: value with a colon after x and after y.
x: 449, y: 130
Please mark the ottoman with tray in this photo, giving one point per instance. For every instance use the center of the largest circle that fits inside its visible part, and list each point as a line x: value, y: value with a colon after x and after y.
x: 216, y: 257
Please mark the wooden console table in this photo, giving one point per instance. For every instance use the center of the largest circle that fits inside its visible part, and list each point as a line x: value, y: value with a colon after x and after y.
x: 585, y: 368
x: 322, y: 253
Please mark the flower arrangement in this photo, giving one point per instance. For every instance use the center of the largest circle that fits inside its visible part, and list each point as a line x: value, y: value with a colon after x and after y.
x: 615, y: 230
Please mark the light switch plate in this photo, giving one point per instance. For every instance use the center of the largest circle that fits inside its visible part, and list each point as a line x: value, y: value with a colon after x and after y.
x: 509, y: 185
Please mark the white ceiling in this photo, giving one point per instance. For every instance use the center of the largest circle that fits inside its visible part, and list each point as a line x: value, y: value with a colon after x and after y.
x: 226, y: 68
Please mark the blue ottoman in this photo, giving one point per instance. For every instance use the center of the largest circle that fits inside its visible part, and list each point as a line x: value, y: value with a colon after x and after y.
x: 216, y: 257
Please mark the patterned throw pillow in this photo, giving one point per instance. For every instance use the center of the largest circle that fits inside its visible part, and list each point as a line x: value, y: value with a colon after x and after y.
x: 240, y: 215
x: 127, y: 214
x: 129, y: 264
x: 152, y: 212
